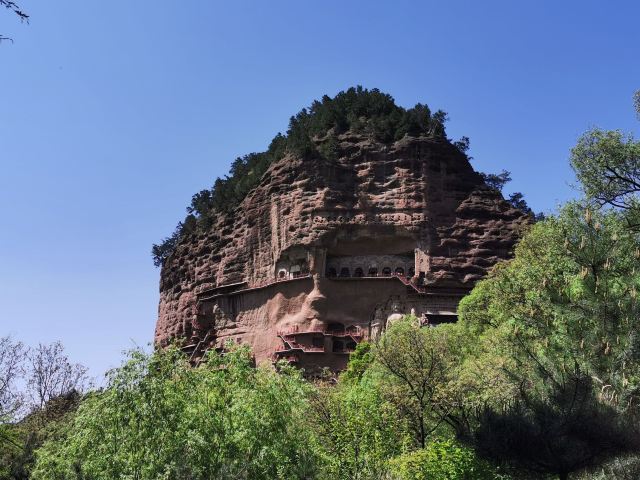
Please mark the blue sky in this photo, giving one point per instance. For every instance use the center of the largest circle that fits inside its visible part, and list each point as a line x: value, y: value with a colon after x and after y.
x: 113, y: 114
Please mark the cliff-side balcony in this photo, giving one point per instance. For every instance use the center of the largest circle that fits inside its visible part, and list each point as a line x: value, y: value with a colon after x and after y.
x: 353, y: 332
x: 406, y: 281
x: 293, y: 347
x: 286, y: 356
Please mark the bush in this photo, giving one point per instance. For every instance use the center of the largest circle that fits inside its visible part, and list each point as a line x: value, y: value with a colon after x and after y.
x: 623, y: 468
x: 443, y: 460
x: 357, y: 430
x: 160, y: 418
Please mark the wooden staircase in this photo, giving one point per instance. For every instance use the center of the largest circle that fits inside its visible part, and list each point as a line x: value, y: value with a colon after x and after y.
x: 200, y: 350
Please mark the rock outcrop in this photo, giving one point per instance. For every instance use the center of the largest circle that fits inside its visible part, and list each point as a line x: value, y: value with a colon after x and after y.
x: 323, y: 253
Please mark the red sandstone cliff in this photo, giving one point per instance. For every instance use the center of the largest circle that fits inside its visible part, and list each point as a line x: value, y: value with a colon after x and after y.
x: 416, y: 202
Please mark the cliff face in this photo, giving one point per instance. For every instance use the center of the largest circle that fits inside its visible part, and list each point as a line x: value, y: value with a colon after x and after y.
x: 348, y: 243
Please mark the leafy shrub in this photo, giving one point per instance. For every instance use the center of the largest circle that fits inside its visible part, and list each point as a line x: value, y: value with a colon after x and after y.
x: 443, y: 460
x: 160, y: 418
x: 20, y: 441
x: 357, y: 430
x: 623, y: 468
x: 359, y: 360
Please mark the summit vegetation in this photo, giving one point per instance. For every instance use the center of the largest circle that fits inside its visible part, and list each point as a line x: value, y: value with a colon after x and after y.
x: 312, y: 132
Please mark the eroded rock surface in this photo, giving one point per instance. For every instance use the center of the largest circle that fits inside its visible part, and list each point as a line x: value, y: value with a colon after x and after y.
x: 324, y: 253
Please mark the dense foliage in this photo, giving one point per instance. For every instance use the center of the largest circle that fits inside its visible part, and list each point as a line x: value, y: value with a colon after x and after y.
x: 608, y: 167
x: 555, y: 366
x: 312, y: 132
x: 443, y: 459
x: 160, y: 418
x: 25, y: 437
x: 560, y: 323
x: 40, y: 388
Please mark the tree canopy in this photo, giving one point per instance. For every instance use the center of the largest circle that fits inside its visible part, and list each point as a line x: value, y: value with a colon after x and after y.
x: 555, y: 364
x: 607, y: 165
x: 160, y: 418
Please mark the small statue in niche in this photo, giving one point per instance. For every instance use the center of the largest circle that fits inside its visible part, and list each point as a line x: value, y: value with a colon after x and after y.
x: 377, y: 323
x: 396, y: 313
x: 395, y: 308
x: 393, y: 318
x: 219, y: 318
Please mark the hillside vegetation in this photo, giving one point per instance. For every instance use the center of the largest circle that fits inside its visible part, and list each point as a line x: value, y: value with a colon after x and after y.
x: 312, y: 132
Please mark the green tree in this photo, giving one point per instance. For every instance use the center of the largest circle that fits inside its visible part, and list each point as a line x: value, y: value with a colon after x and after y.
x: 496, y: 181
x: 160, y: 418
x: 559, y: 323
x: 32, y: 431
x: 357, y: 430
x: 359, y: 361
x: 39, y: 391
x: 417, y: 366
x: 568, y: 297
x: 607, y: 165
x: 565, y: 432
x: 564, y: 309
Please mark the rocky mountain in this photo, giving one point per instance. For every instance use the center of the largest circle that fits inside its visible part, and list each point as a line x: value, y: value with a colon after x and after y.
x: 325, y: 251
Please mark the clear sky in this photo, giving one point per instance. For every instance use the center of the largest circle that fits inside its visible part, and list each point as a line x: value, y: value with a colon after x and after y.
x: 112, y: 114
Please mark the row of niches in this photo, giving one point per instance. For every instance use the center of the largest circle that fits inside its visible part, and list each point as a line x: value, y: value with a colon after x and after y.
x: 294, y: 270
x: 370, y: 266
x: 334, y: 338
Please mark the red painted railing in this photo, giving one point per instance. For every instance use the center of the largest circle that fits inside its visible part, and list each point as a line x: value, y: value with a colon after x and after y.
x: 409, y: 283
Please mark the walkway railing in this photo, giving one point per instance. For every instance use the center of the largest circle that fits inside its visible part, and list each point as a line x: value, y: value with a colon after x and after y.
x: 406, y: 281
x: 353, y: 332
x: 256, y: 286
x: 302, y: 348
x: 296, y: 349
